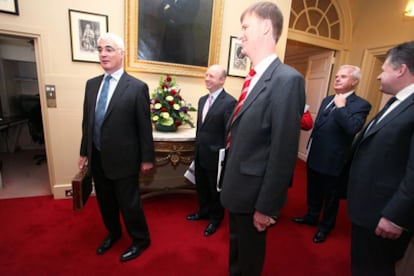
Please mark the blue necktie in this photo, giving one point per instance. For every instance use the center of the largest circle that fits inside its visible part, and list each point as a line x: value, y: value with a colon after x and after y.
x: 100, y: 112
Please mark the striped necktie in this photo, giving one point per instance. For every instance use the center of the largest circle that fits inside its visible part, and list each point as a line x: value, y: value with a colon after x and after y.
x: 240, y: 102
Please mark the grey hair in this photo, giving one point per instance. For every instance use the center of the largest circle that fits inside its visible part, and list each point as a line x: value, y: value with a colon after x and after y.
x: 117, y: 39
x: 356, y: 73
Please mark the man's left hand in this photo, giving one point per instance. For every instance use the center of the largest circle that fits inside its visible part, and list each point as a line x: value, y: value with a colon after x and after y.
x: 388, y: 230
x: 262, y: 222
x: 146, y: 167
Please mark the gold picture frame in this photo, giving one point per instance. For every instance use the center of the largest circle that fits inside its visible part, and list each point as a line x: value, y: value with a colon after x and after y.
x: 133, y: 63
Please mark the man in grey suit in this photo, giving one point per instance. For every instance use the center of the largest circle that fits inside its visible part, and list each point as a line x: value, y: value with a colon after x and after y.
x: 381, y: 176
x: 340, y: 118
x: 262, y: 141
x: 116, y: 145
x: 214, y: 111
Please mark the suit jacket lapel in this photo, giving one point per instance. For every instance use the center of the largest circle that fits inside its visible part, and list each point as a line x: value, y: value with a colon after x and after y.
x: 203, y: 101
x: 259, y: 87
x: 94, y: 90
x: 213, y: 108
x: 118, y: 92
x: 321, y: 117
x: 390, y: 116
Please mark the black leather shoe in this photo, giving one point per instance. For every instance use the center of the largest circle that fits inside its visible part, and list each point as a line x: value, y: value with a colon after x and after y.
x: 304, y: 220
x: 195, y: 216
x: 133, y: 252
x: 319, y: 237
x: 106, y: 244
x: 210, y: 229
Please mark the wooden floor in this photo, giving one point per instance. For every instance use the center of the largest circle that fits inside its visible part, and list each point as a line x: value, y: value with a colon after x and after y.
x: 22, y: 177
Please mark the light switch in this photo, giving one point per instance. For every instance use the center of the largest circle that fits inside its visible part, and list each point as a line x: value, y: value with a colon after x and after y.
x: 50, y: 95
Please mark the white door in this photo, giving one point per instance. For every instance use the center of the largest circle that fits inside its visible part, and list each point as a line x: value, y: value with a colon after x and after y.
x: 317, y: 83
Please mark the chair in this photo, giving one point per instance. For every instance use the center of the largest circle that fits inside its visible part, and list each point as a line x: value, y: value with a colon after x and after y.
x: 30, y: 105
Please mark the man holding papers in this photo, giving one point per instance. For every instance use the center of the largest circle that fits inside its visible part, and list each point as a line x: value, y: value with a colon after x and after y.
x: 214, y: 111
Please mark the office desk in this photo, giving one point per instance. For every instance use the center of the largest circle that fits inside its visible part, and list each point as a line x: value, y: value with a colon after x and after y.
x: 174, y: 152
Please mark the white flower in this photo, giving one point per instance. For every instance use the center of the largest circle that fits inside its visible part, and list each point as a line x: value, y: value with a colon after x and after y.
x: 165, y: 115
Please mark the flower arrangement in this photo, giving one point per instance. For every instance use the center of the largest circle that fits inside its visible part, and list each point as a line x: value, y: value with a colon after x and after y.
x: 168, y: 108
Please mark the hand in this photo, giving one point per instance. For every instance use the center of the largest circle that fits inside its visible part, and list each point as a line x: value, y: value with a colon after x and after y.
x: 83, y: 162
x: 388, y: 230
x: 146, y: 167
x: 339, y: 100
x: 262, y: 222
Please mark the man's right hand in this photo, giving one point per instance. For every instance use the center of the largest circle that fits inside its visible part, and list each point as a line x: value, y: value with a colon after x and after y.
x: 83, y: 162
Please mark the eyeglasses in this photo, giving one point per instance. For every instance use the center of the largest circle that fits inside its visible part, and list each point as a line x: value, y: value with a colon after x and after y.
x: 108, y: 49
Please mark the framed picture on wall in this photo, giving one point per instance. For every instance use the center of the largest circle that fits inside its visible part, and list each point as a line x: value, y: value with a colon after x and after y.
x: 85, y: 29
x: 9, y: 6
x: 238, y: 64
x: 172, y: 37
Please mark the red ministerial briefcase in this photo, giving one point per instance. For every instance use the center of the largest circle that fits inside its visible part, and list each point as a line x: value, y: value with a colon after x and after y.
x: 81, y: 189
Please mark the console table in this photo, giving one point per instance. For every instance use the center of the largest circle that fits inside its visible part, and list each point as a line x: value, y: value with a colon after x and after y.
x: 174, y: 152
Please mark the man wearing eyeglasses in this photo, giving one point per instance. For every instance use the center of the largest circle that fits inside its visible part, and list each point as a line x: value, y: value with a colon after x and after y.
x: 117, y: 145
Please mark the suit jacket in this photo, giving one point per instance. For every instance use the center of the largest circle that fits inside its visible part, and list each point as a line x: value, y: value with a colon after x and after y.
x: 381, y: 178
x: 264, y: 143
x: 211, y: 134
x: 126, y: 132
x: 332, y: 135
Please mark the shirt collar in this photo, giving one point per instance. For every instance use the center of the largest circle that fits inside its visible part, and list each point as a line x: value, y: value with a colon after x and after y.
x: 116, y: 75
x: 347, y: 94
x: 262, y: 66
x: 216, y: 93
x: 405, y: 92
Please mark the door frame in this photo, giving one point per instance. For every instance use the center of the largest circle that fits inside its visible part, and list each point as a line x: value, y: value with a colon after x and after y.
x: 35, y: 36
x: 324, y: 60
x: 369, y: 71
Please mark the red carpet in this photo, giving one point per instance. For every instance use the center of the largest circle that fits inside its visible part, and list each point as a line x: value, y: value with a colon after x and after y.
x: 43, y: 236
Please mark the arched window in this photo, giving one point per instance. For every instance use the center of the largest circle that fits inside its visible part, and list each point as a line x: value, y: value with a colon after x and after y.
x: 316, y: 17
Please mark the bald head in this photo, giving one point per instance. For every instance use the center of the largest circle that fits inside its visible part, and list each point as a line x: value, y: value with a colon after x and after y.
x: 215, y: 77
x: 218, y: 69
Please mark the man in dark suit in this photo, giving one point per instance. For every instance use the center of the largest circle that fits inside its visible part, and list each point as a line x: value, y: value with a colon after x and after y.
x: 116, y: 144
x: 262, y: 140
x: 214, y: 111
x: 381, y: 177
x: 339, y: 119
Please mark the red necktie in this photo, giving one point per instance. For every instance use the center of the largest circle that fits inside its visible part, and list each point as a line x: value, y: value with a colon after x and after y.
x: 240, y: 102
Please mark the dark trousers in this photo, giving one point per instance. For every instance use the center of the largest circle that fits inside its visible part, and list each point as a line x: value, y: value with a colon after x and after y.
x: 208, y: 197
x: 247, y: 246
x: 323, y: 193
x: 372, y: 255
x: 120, y: 196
